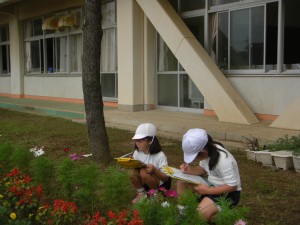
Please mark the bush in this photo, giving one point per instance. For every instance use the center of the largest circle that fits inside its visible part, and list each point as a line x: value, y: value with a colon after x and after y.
x: 43, y: 172
x: 116, y: 189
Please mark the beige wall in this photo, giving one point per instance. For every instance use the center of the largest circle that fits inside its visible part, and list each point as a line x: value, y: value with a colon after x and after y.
x: 34, y: 8
x: 56, y: 86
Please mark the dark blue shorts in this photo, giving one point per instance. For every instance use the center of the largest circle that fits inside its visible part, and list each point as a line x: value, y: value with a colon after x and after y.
x: 234, y: 197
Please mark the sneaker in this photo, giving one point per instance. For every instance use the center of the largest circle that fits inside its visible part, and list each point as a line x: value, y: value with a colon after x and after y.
x: 138, y: 197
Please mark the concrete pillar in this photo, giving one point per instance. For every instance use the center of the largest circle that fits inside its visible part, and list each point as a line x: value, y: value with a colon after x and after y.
x: 130, y: 20
x: 17, y: 56
x: 149, y: 66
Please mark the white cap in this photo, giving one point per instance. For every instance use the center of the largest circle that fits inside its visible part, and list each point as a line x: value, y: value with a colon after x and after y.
x: 145, y: 130
x: 193, y: 142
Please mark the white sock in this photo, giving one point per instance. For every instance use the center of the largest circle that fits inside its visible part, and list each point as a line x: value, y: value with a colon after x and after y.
x: 140, y: 190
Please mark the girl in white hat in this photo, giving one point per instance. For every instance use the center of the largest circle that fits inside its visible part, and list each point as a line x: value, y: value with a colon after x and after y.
x: 215, y: 162
x: 148, y: 151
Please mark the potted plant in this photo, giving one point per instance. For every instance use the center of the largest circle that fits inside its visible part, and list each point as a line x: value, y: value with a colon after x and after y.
x: 283, y: 151
x: 258, y: 153
x: 251, y: 147
x: 296, y: 159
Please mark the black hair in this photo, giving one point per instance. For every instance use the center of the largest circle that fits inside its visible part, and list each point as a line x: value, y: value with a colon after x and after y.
x: 213, y: 152
x: 154, y: 146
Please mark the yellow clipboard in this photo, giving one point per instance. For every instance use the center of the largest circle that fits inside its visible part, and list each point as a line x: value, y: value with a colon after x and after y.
x: 130, y: 163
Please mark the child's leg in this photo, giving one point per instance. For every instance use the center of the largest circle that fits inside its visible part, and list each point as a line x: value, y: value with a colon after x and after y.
x: 150, y: 179
x: 207, y: 208
x: 182, y: 186
x: 136, y: 178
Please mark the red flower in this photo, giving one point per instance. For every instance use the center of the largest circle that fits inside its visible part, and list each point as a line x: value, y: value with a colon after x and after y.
x: 66, y: 149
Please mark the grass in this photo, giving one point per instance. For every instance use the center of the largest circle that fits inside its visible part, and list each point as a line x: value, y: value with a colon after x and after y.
x: 273, y: 197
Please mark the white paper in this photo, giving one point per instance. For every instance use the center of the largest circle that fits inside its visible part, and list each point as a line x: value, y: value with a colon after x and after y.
x: 178, y: 174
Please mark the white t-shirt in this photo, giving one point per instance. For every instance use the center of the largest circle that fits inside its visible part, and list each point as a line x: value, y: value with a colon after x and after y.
x: 225, y: 172
x: 158, y: 160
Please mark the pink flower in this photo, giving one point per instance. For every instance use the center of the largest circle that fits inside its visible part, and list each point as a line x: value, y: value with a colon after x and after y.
x: 151, y: 192
x: 75, y: 156
x: 171, y: 193
x: 240, y: 222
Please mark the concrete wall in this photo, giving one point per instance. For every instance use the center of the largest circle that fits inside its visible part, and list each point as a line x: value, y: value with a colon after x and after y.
x: 58, y: 86
x: 267, y: 95
x: 5, y: 83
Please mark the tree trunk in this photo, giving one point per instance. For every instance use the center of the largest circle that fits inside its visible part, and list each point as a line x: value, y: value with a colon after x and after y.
x: 92, y: 35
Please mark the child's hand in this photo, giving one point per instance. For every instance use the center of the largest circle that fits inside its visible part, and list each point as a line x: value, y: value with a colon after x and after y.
x: 185, y: 168
x: 150, y: 168
x: 202, y: 189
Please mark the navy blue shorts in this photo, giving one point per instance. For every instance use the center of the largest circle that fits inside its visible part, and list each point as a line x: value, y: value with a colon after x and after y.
x: 234, y: 197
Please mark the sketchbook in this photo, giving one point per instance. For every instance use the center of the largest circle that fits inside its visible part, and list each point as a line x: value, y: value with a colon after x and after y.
x: 127, y: 162
x: 178, y: 174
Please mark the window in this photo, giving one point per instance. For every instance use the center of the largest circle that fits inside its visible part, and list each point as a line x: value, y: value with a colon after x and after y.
x: 4, y: 51
x: 51, y: 48
x: 240, y: 39
x: 108, y: 73
x: 291, y: 58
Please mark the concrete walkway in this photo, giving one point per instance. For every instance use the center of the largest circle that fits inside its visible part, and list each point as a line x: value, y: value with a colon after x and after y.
x: 169, y: 124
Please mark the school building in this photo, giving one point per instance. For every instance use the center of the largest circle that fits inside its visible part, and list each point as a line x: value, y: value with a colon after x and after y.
x: 238, y: 60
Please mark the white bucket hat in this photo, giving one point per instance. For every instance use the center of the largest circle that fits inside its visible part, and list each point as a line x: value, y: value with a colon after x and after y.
x: 193, y: 142
x: 144, y: 130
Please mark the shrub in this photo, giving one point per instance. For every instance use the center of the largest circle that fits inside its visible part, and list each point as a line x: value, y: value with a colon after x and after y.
x: 229, y: 215
x: 21, y: 159
x: 116, y: 189
x: 43, y: 172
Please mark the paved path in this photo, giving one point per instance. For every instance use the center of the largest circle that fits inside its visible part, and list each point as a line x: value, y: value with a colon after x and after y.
x: 169, y: 124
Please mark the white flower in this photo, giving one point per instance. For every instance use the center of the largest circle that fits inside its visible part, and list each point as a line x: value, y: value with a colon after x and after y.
x: 165, y: 204
x: 37, y: 151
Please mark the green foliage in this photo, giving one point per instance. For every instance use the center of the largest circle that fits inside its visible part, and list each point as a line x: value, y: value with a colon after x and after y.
x: 85, y: 179
x: 190, y: 203
x: 21, y: 158
x: 79, y: 182
x: 6, y: 149
x: 43, y: 172
x: 65, y: 178
x: 229, y: 215
x: 116, y: 189
x: 286, y: 143
x: 153, y: 213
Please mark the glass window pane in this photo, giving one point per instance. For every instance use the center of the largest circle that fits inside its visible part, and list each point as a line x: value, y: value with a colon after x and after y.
x: 4, y: 34
x: 76, y: 52
x: 292, y: 34
x: 108, y: 85
x: 189, y: 5
x: 35, y: 56
x: 190, y: 96
x: 174, y: 4
x: 4, y: 59
x: 108, y: 51
x: 239, y: 39
x: 196, y: 26
x: 271, y: 36
x: 166, y: 61
x: 221, y: 2
x: 167, y: 85
x: 37, y: 27
x: 222, y: 41
x: 257, y: 37
x: 50, y: 61
x: 108, y: 13
x: 61, y: 54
